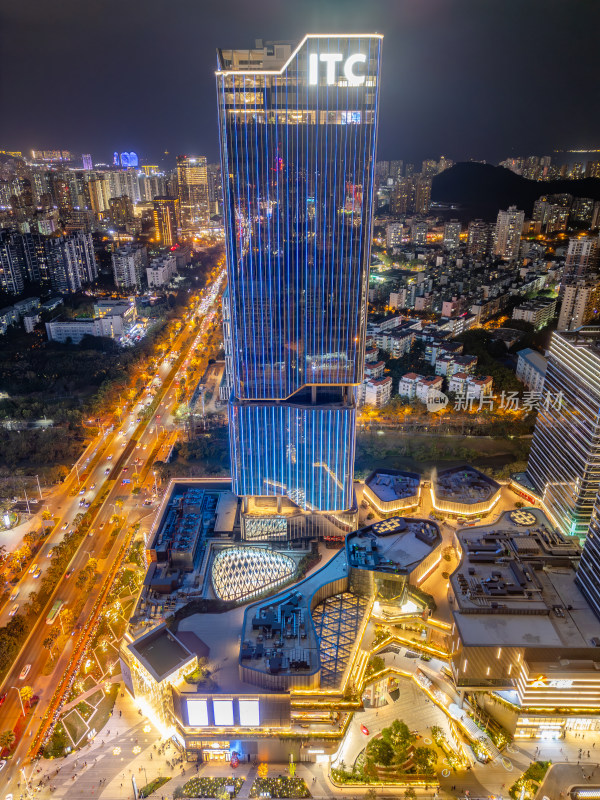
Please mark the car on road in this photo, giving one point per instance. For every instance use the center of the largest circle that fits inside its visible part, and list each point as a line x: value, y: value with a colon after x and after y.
x: 107, y: 471
x: 65, y: 526
x: 69, y: 573
x: 87, y: 504
x: 3, y: 697
x: 14, y: 594
x: 93, y: 486
x: 102, y: 524
x: 13, y: 610
x: 37, y: 573
x: 24, y: 672
x: 109, y: 458
x: 50, y: 553
x: 364, y: 729
x: 125, y: 469
x: 32, y: 568
x: 82, y: 490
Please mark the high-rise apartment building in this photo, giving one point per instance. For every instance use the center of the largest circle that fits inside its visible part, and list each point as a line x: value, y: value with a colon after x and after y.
x: 478, y: 240
x: 121, y: 211
x: 564, y: 461
x: 12, y: 279
x: 582, y: 258
x: 87, y: 161
x: 580, y: 304
x: 192, y: 183
x: 396, y: 168
x: 402, y: 200
x: 129, y: 263
x: 452, y: 234
x: 422, y: 194
x: 215, y: 189
x: 298, y: 135
x: 508, y: 233
x: 166, y: 220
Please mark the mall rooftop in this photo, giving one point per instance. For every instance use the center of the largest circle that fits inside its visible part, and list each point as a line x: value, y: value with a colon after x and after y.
x: 391, y: 490
x: 515, y: 586
x: 395, y: 545
x: 161, y: 653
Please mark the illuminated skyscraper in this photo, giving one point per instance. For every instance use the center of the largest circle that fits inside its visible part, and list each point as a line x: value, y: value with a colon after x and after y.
x: 564, y: 460
x: 192, y: 183
x: 166, y: 220
x: 298, y: 135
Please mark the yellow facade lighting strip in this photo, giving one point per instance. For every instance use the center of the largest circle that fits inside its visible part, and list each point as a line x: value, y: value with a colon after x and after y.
x: 447, y: 510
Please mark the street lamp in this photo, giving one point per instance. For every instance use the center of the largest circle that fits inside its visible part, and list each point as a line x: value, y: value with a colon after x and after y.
x: 20, y: 698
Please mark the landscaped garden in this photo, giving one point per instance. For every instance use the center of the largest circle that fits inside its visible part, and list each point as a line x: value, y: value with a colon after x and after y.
x: 147, y: 790
x: 525, y: 788
x: 282, y: 786
x: 208, y: 787
x: 389, y: 757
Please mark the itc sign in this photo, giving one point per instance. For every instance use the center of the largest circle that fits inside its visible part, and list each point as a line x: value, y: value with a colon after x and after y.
x: 331, y: 61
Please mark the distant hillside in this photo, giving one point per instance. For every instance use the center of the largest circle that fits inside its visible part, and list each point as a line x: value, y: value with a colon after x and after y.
x: 482, y: 189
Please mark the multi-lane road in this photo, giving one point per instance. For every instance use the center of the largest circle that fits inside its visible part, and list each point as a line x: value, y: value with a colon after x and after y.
x: 113, y: 459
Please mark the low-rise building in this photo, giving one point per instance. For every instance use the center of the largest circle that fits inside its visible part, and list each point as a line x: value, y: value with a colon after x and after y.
x: 427, y: 386
x: 464, y: 491
x: 374, y: 370
x: 389, y: 491
x: 537, y: 312
x: 531, y: 369
x: 461, y: 383
x: 408, y: 385
x: 74, y: 330
x: 375, y: 392
x: 161, y: 271
x: 30, y: 320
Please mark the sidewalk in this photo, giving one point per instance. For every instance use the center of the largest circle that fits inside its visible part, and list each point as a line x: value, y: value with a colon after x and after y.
x: 125, y: 748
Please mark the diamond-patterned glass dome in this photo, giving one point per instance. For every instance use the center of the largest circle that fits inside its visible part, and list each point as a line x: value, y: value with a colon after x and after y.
x: 241, y: 572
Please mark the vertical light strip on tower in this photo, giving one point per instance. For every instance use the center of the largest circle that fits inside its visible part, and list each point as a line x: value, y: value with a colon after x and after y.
x: 298, y: 133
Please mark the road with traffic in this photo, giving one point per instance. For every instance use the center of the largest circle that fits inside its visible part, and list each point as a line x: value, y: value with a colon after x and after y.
x: 114, y: 460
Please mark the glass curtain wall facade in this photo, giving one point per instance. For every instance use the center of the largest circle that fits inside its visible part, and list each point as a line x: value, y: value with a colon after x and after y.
x: 298, y: 135
x: 588, y: 572
x: 564, y: 461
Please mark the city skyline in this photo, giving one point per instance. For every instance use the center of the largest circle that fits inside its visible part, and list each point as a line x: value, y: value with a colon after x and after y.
x: 468, y: 106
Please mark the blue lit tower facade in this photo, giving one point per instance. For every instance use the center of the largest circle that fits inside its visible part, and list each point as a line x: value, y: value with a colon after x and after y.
x: 298, y: 131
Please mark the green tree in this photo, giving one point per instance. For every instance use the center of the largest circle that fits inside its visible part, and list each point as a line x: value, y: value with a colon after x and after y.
x: 7, y: 738
x: 424, y: 759
x: 50, y: 640
x: 410, y: 794
x: 26, y: 693
x: 376, y: 664
x: 381, y: 751
x: 398, y: 735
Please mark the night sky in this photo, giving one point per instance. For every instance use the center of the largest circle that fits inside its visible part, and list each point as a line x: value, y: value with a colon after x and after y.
x: 464, y: 78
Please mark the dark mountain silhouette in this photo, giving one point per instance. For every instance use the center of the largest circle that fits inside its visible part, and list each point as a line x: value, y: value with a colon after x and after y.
x: 482, y: 189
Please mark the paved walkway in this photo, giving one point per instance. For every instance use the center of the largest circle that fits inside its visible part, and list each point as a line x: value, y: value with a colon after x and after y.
x: 125, y: 748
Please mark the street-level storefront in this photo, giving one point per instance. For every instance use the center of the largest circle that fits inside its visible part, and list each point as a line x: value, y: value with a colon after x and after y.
x: 533, y: 727
x: 208, y: 751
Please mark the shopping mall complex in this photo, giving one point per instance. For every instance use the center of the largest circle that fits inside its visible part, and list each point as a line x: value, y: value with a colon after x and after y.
x: 265, y: 648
